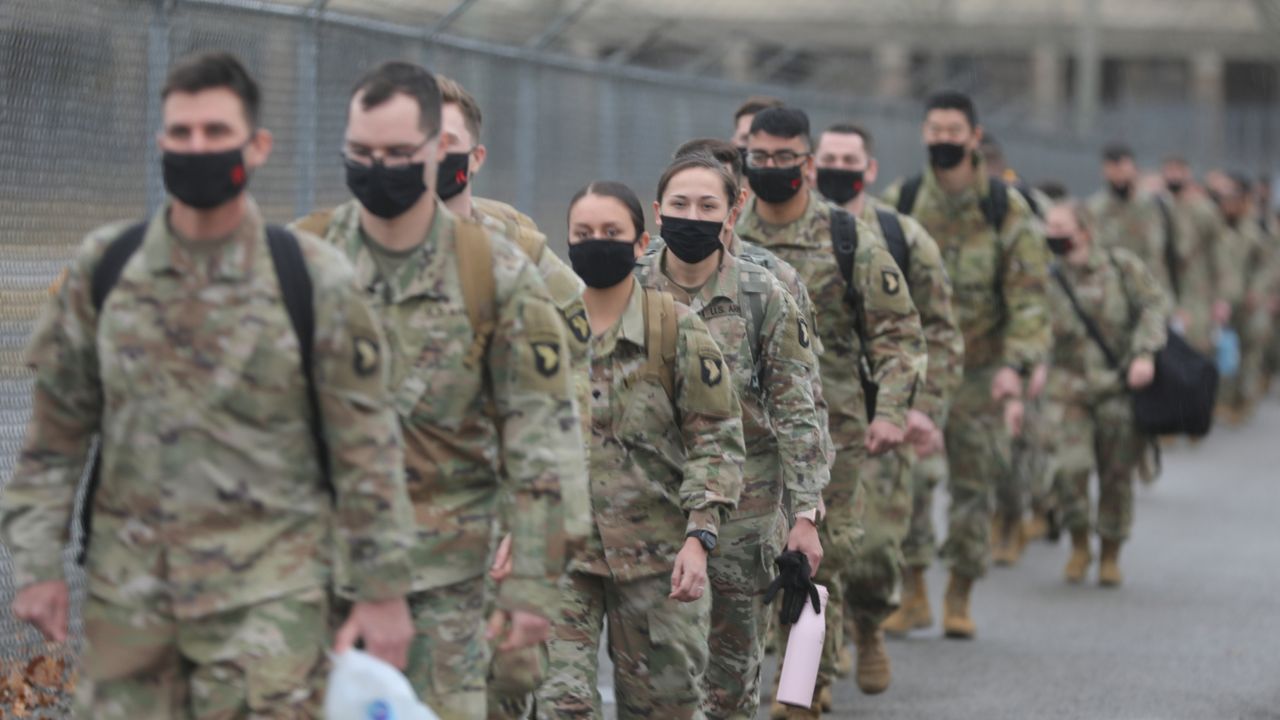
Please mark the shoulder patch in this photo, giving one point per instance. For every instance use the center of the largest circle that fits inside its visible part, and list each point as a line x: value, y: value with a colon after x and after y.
x: 579, y: 325
x: 891, y: 281
x: 546, y: 357
x: 712, y: 370
x: 803, y: 330
x: 366, y: 358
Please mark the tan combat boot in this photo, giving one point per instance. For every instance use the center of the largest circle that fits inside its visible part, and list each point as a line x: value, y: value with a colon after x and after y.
x: 1109, y: 570
x: 814, y: 711
x: 1007, y: 542
x: 874, y: 669
x: 825, y: 700
x: 1078, y: 564
x: 914, y: 613
x: 1035, y: 528
x: 956, y: 622
x: 844, y: 656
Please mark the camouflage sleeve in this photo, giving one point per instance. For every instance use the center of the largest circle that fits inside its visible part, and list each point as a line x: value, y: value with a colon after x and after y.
x: 895, y: 340
x: 1027, y: 335
x: 805, y: 306
x: 931, y: 291
x: 1211, y: 234
x: 710, y: 424
x: 786, y: 362
x: 534, y: 394
x: 1145, y: 294
x: 373, y: 525
x: 1228, y: 260
x: 66, y: 409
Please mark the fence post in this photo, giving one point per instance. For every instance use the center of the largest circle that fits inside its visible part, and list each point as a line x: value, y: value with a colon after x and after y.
x: 305, y: 115
x: 157, y: 69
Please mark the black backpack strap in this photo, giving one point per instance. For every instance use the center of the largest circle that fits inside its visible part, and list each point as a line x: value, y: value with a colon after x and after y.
x: 995, y: 206
x: 1025, y: 191
x: 298, y: 295
x: 908, y: 193
x: 895, y: 238
x: 844, y: 241
x: 1170, y: 247
x: 1095, y: 333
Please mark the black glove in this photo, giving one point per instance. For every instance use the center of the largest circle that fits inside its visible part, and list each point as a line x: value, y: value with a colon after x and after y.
x: 796, y: 585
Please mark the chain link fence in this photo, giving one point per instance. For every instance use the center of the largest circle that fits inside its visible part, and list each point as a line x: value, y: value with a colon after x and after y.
x: 81, y: 83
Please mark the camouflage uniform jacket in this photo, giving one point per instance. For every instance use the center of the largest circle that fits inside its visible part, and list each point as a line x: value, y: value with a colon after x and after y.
x: 469, y: 430
x: 1137, y: 225
x: 766, y: 345
x: 999, y: 277
x: 660, y: 467
x: 1199, y: 229
x: 895, y: 341
x: 931, y: 292
x: 566, y: 289
x: 1131, y: 311
x: 210, y: 489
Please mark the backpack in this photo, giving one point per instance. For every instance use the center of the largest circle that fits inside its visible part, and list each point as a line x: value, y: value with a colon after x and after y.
x: 660, y: 337
x: 895, y: 238
x: 475, y: 275
x: 1181, y: 399
x: 296, y: 291
x: 995, y: 206
x: 844, y: 240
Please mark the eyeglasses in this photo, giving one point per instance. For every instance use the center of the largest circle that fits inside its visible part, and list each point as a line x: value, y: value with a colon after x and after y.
x: 392, y: 157
x: 782, y: 158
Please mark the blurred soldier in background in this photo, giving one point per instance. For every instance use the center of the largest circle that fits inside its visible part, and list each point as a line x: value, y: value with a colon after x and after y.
x: 1197, y: 229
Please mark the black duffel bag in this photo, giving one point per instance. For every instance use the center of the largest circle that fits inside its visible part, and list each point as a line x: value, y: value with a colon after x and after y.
x: 1181, y: 398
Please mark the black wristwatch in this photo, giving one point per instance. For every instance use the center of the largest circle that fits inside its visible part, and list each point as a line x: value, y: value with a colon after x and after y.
x: 706, y: 537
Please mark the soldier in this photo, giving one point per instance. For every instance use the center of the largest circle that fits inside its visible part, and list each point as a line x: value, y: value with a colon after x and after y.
x: 175, y: 341
x: 1124, y: 216
x: 666, y: 470
x: 996, y: 260
x: 869, y: 326
x: 1089, y: 403
x: 1197, y: 229
x: 479, y: 380
x: 845, y: 166
x: 767, y: 350
x: 742, y: 120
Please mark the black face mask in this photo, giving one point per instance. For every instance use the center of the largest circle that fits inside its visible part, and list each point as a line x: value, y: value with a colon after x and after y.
x: 775, y: 185
x: 945, y: 156
x: 386, y: 192
x: 602, y: 263
x: 691, y: 240
x: 1059, y: 244
x: 205, y: 180
x: 1121, y: 190
x: 1175, y: 186
x: 452, y: 176
x: 840, y: 186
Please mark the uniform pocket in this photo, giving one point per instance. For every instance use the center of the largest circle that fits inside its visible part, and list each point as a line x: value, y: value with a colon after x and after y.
x: 286, y: 681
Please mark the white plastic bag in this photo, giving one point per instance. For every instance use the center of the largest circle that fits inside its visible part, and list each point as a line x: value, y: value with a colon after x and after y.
x: 362, y: 687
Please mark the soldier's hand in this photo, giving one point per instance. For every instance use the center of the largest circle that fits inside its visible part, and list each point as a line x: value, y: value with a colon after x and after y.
x: 1013, y: 411
x: 1006, y: 384
x: 804, y: 539
x: 1039, y: 378
x: 45, y: 605
x: 503, y: 565
x: 923, y: 434
x: 689, y: 577
x: 385, y: 626
x: 883, y: 436
x: 1142, y: 372
x: 526, y: 629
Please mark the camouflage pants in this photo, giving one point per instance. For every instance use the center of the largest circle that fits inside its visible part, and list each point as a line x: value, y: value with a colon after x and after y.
x: 978, y: 453
x: 841, y: 533
x: 872, y: 582
x: 449, y: 657
x: 658, y: 647
x: 1242, y: 391
x: 1031, y: 458
x: 262, y: 661
x: 740, y: 572
x: 920, y: 544
x: 1101, y: 437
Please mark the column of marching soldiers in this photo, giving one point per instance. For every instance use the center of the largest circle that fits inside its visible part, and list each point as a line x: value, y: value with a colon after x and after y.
x: 404, y: 424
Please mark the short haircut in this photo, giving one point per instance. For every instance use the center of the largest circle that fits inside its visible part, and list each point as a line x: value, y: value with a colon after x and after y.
x: 453, y: 93
x: 700, y: 161
x: 209, y: 70
x: 1054, y: 190
x: 1244, y: 185
x: 618, y: 191
x: 953, y: 100
x: 846, y: 128
x: 1178, y: 160
x: 755, y: 104
x: 401, y: 78
x: 784, y: 122
x: 719, y: 149
x: 1116, y: 152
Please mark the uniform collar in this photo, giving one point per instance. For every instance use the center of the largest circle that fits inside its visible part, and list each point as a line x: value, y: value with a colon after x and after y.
x: 630, y: 326
x: 418, y: 278
x: 794, y: 230
x: 980, y: 188
x: 723, y: 283
x: 164, y: 252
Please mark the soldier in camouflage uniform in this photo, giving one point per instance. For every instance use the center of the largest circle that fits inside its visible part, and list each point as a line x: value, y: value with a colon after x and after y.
x: 767, y: 349
x: 999, y: 277
x: 1197, y: 227
x: 184, y: 360
x: 845, y: 166
x: 1123, y: 216
x: 796, y: 224
x: 666, y: 470
x: 480, y: 381
x: 514, y: 676
x: 1089, y: 402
